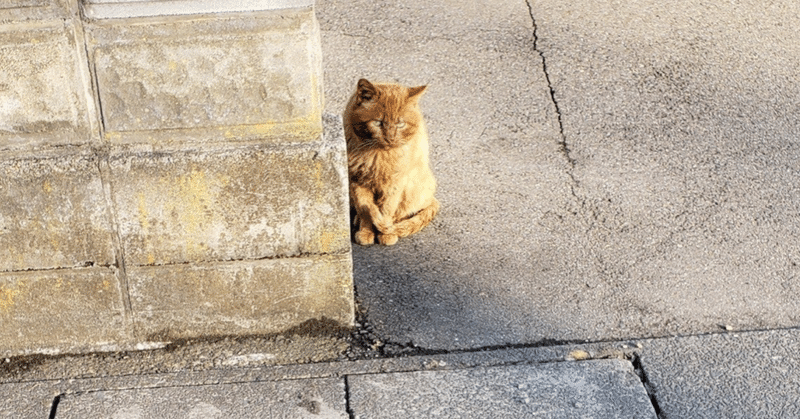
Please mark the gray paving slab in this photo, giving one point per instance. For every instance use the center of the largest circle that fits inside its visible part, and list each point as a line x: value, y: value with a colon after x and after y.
x: 286, y: 399
x: 27, y: 400
x: 736, y: 375
x: 591, y: 389
x: 665, y: 208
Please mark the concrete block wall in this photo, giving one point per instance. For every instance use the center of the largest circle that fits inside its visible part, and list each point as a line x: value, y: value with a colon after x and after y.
x: 166, y: 172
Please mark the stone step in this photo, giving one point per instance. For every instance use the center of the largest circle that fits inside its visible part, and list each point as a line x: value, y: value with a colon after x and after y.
x: 166, y: 177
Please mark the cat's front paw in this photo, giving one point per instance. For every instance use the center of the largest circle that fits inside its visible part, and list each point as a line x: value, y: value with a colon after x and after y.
x: 387, y: 239
x: 365, y: 237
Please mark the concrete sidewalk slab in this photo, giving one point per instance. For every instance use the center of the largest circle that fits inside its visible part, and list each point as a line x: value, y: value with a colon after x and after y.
x: 27, y: 400
x: 518, y: 380
x: 322, y: 398
x: 734, y: 375
x: 590, y: 389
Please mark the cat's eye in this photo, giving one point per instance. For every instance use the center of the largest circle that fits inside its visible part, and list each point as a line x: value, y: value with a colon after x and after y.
x: 377, y: 122
x: 401, y: 124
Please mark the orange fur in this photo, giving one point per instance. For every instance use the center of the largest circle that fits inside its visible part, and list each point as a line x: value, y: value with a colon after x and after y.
x: 391, y: 183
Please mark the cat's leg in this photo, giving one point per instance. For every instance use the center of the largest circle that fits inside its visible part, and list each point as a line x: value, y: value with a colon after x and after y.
x: 364, y: 235
x: 366, y: 210
x: 387, y: 235
x: 364, y: 202
x: 417, y: 221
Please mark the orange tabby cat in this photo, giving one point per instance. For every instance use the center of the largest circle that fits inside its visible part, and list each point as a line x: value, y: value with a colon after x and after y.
x: 391, y: 183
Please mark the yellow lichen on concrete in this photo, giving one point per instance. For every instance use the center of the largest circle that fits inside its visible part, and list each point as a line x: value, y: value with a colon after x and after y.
x: 301, y: 129
x: 193, y: 199
x: 144, y: 222
x: 8, y: 294
x: 113, y: 136
x: 194, y: 210
x: 143, y: 214
x: 325, y: 240
x: 318, y: 175
x: 578, y: 355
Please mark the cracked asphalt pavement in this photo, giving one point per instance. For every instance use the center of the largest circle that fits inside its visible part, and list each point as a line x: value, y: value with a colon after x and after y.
x: 606, y: 170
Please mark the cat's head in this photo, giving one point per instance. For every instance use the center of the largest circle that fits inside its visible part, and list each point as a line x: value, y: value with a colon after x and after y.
x: 387, y: 114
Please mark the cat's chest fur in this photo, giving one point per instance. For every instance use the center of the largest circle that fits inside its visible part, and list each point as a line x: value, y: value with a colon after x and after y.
x: 379, y: 169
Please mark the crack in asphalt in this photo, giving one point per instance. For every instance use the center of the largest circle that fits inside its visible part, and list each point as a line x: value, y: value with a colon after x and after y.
x: 565, y: 150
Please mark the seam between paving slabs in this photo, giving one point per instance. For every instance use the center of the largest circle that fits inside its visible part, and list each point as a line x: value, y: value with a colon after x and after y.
x: 54, y: 406
x: 347, y: 407
x: 204, y: 262
x: 119, y: 251
x: 636, y: 360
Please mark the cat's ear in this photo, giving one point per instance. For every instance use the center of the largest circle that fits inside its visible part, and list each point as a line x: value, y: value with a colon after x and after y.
x: 414, y: 93
x: 365, y: 92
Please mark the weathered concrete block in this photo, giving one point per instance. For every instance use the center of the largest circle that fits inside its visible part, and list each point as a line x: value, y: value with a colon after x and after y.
x: 53, y: 212
x: 45, y: 94
x: 110, y: 9
x: 266, y: 296
x: 33, y: 10
x: 241, y: 203
x: 12, y: 4
x: 240, y: 77
x: 60, y: 309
